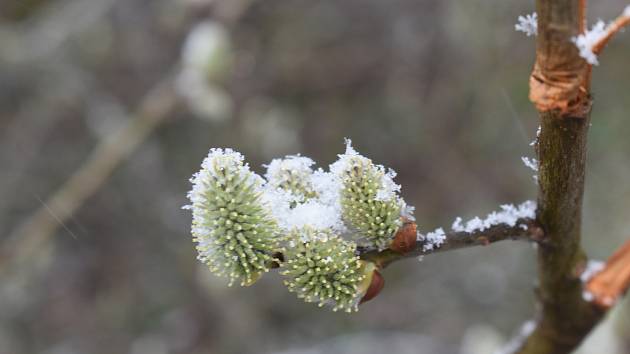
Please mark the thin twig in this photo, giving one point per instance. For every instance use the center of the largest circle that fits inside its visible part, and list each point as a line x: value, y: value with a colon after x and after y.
x: 609, y: 284
x: 613, y: 28
x: 525, y: 229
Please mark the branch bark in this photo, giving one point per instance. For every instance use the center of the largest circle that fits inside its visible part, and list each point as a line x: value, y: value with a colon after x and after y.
x: 560, y: 76
x: 565, y: 318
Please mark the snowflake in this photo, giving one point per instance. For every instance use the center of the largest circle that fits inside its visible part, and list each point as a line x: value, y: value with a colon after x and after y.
x: 528, y: 24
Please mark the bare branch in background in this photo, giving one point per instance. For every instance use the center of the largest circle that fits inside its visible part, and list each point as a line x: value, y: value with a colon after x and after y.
x: 156, y: 106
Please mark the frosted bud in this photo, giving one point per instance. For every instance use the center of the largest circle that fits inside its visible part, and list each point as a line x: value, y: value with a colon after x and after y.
x: 232, y: 227
x: 369, y: 198
x: 322, y: 267
x: 292, y: 174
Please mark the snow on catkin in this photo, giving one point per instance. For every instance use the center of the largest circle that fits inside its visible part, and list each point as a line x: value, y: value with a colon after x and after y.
x: 234, y: 231
x: 370, y: 203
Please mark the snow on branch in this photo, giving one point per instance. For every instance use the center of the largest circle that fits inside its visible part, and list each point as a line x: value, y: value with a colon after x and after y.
x: 593, y: 41
x: 527, y: 24
x: 509, y: 215
x: 511, y: 223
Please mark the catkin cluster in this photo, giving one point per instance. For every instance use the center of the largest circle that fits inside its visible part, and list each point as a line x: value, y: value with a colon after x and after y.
x: 315, y: 219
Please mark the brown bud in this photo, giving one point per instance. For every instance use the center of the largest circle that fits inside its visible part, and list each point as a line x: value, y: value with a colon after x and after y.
x: 376, y: 285
x: 405, y: 239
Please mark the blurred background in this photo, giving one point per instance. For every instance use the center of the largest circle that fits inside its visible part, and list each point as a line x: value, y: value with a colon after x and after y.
x: 107, y: 107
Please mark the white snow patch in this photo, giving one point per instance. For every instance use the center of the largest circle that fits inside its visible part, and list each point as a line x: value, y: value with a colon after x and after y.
x: 528, y: 24
x: 294, y: 165
x: 219, y: 159
x: 537, y: 136
x: 531, y: 163
x: 592, y: 267
x: 508, y: 215
x: 388, y: 187
x: 407, y: 212
x: 434, y: 240
x: 320, y: 213
x: 314, y: 213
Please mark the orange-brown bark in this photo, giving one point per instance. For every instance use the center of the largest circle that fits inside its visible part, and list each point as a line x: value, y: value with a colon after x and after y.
x: 611, y: 282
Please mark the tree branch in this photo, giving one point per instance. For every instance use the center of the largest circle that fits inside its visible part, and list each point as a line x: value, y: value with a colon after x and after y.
x: 564, y: 317
x: 525, y: 229
x: 28, y: 237
x: 609, y: 284
x: 617, y: 25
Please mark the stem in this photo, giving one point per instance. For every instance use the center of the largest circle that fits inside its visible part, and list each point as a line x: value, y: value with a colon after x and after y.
x: 559, y: 76
x: 457, y: 240
x: 617, y: 25
x: 565, y: 318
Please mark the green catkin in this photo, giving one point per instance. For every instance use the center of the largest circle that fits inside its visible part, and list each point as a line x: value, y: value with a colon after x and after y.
x: 292, y: 174
x: 374, y: 217
x: 322, y: 267
x: 235, y: 234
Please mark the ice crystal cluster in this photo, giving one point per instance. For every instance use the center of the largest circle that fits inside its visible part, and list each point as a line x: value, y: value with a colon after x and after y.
x: 509, y: 215
x: 528, y: 24
x: 587, y: 41
x: 315, y: 219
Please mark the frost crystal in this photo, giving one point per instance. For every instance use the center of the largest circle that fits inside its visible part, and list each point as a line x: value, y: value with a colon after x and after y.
x: 508, y: 215
x: 323, y: 268
x: 369, y: 201
x: 586, y: 41
x: 537, y: 136
x: 235, y: 234
x: 434, y: 240
x: 528, y: 24
x: 531, y: 163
